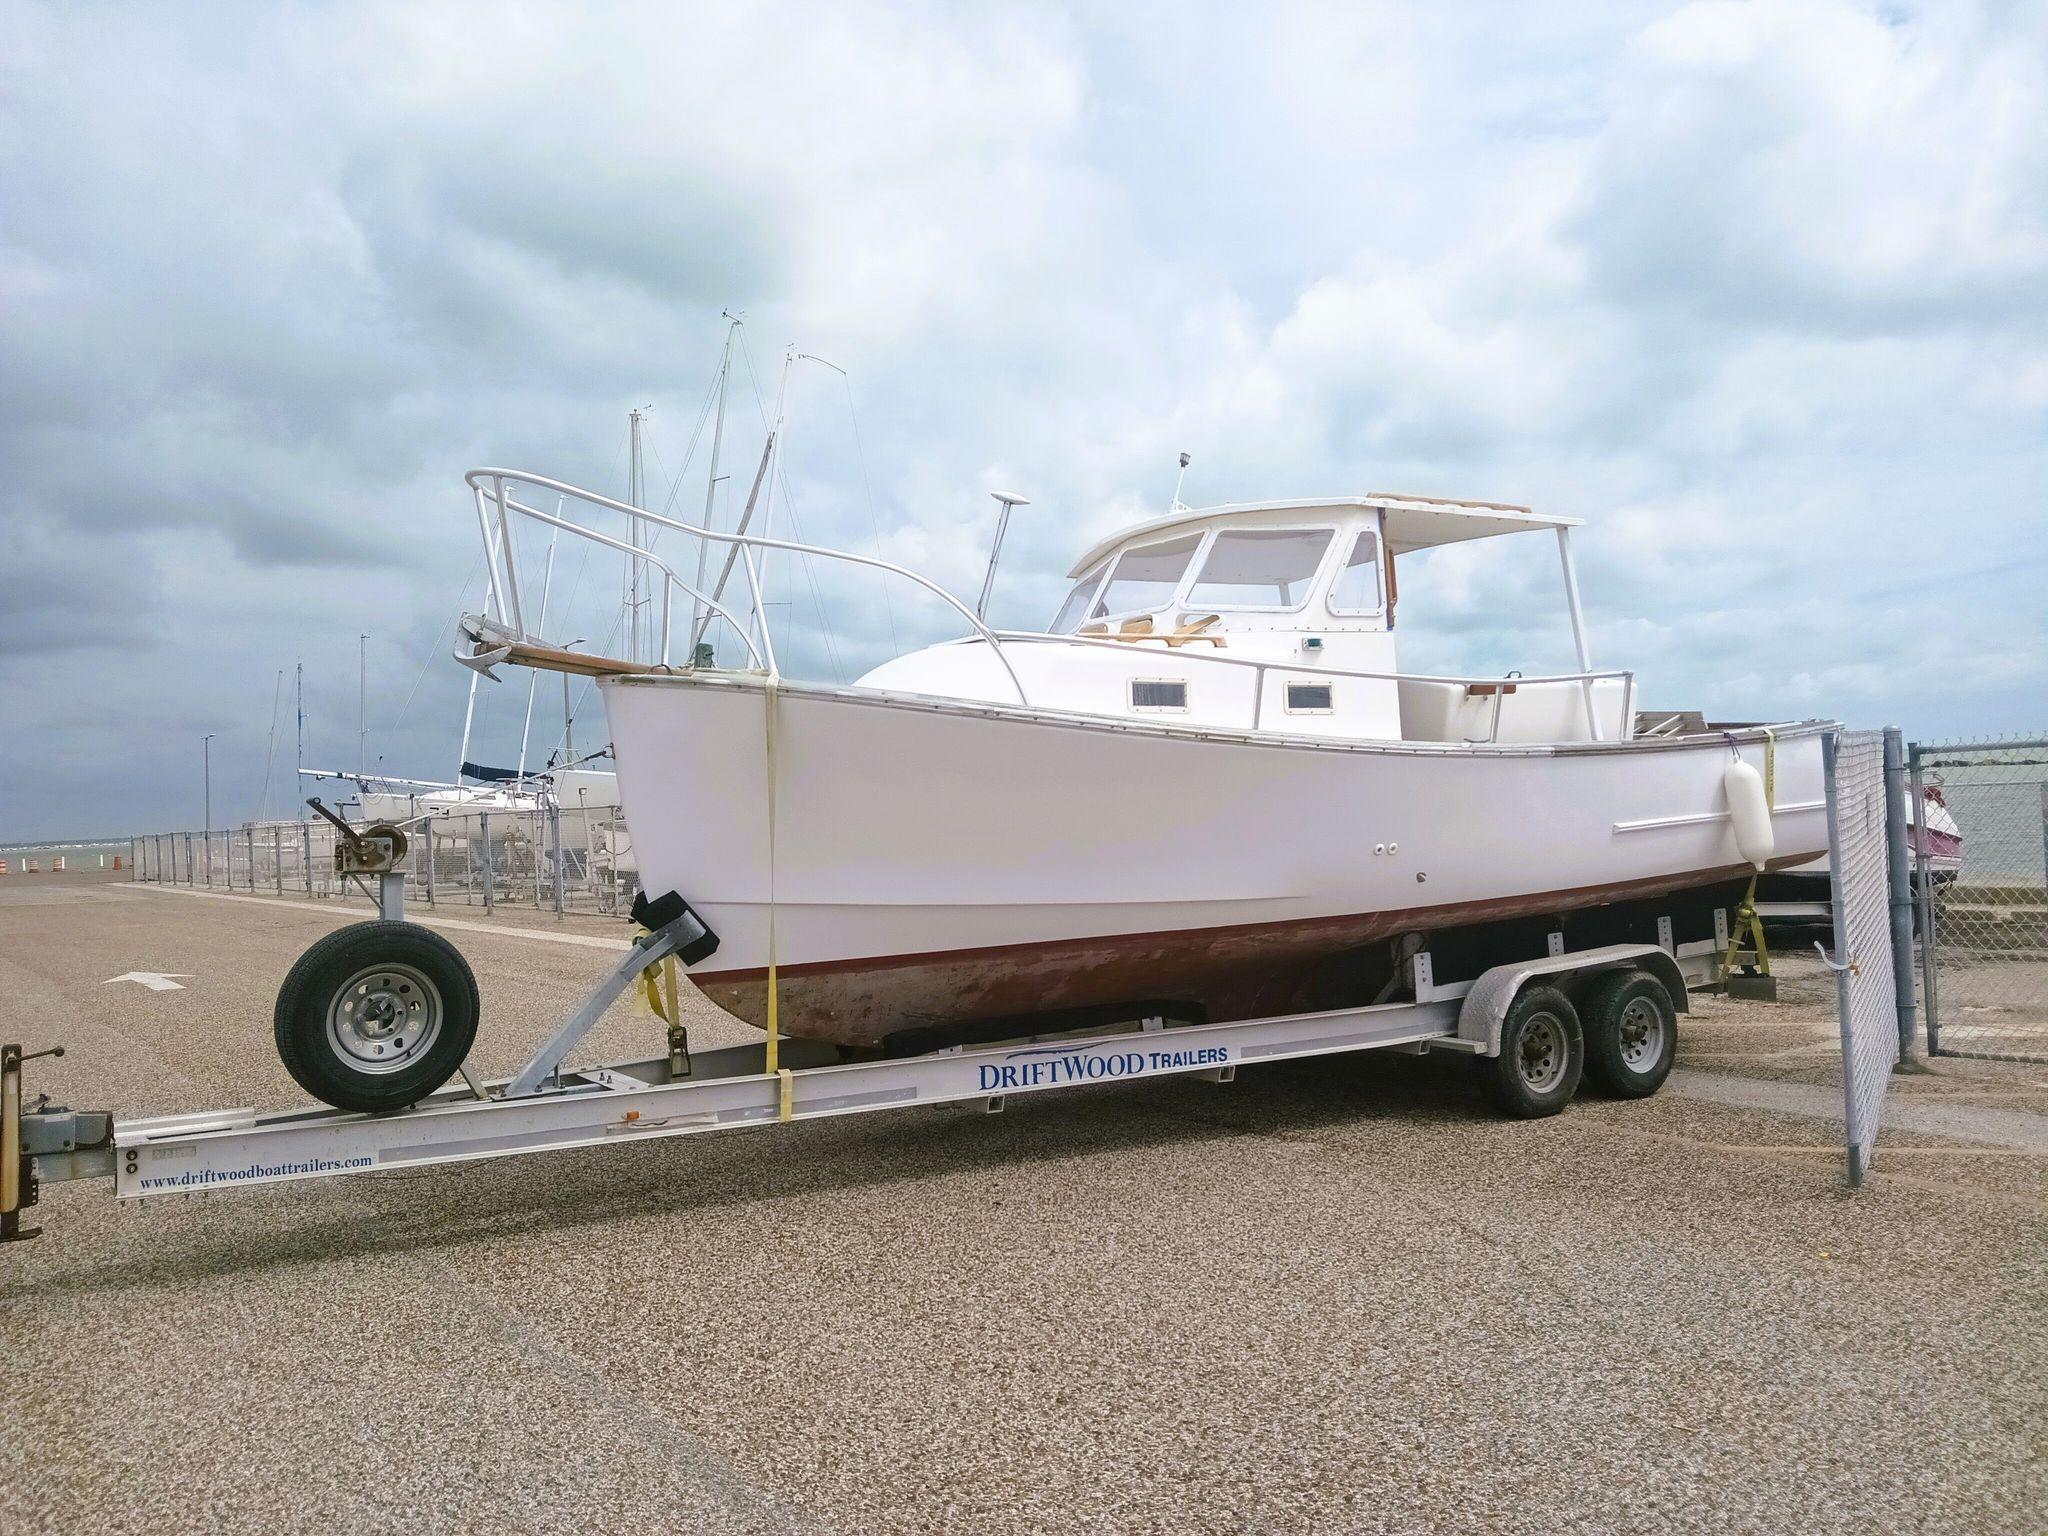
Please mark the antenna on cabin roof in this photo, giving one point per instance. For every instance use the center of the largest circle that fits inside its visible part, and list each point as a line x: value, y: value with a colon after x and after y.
x: 1008, y: 500
x: 1178, y: 504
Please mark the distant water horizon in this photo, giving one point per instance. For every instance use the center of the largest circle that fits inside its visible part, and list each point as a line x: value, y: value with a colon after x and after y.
x: 78, y: 853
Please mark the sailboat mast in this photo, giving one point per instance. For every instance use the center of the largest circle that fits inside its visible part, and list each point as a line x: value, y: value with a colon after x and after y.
x: 362, y: 701
x: 468, y: 719
x: 711, y: 484
x: 637, y: 571
x: 270, y: 749
x: 547, y: 584
x: 775, y: 435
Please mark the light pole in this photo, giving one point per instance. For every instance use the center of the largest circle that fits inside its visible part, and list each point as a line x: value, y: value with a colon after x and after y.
x: 206, y: 749
x: 1008, y: 500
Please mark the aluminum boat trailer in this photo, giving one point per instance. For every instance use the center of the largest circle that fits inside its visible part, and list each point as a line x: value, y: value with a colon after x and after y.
x: 1523, y: 1017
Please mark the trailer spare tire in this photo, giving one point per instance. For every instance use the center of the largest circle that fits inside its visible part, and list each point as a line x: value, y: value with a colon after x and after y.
x: 1542, y: 1054
x: 376, y: 1016
x: 1631, y: 1034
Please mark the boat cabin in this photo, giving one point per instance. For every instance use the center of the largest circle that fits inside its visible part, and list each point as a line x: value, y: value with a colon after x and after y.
x: 1280, y: 617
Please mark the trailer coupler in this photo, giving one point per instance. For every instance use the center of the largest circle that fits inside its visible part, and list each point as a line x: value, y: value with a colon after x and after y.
x: 46, y: 1131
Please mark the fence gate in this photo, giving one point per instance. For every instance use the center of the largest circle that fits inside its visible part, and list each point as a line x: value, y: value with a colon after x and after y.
x: 1980, y: 844
x: 1865, y: 979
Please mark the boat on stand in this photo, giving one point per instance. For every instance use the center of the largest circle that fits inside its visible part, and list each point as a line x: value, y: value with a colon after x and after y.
x: 1205, y: 786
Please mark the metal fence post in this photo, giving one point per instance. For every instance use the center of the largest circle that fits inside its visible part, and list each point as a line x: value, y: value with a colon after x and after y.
x: 249, y: 844
x: 553, y: 832
x: 484, y: 829
x: 277, y: 855
x: 1923, y: 880
x: 1897, y: 875
x: 427, y: 831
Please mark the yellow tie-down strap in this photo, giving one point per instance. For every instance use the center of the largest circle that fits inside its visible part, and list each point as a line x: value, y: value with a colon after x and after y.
x: 658, y: 983
x: 787, y: 1098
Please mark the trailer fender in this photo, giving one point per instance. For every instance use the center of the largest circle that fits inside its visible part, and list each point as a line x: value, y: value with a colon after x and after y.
x: 1487, y: 1004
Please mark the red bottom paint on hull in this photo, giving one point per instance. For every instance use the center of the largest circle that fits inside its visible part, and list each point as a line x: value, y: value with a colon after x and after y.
x: 1232, y: 973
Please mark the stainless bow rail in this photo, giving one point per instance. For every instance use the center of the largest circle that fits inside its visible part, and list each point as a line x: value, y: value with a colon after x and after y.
x: 504, y: 576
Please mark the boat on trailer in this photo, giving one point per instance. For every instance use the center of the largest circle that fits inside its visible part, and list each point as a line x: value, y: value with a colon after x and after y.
x: 1205, y: 787
x: 1199, y: 822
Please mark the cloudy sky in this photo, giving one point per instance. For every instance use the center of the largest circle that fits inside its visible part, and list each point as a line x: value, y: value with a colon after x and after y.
x: 1761, y: 291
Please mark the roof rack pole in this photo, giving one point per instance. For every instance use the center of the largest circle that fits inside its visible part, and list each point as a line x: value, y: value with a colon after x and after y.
x: 1571, y: 597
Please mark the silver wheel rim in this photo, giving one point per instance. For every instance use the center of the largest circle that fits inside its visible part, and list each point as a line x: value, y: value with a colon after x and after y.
x: 1641, y: 1031
x: 384, y: 1019
x: 1541, y: 1053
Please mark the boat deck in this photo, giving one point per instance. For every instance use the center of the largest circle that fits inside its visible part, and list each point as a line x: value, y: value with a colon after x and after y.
x: 1333, y: 1293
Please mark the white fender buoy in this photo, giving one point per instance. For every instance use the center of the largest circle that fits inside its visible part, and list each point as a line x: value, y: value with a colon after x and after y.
x: 1750, y: 810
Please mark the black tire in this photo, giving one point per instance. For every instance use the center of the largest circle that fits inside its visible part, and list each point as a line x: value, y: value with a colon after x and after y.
x: 1542, y: 1054
x: 376, y: 1016
x: 1631, y: 1034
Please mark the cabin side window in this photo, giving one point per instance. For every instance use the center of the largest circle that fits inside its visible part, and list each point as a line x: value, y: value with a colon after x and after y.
x: 1269, y: 568
x: 1159, y: 695
x: 1310, y: 698
x: 1357, y: 589
x: 1144, y: 579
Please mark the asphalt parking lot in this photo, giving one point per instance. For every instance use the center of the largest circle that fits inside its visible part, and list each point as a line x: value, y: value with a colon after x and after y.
x: 1333, y: 1296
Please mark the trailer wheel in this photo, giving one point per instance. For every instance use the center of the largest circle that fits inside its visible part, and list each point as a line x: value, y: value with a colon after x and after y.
x: 1631, y: 1034
x: 376, y: 1016
x: 1542, y: 1054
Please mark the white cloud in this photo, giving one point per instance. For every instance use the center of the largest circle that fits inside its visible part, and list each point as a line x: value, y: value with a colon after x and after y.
x: 1758, y: 289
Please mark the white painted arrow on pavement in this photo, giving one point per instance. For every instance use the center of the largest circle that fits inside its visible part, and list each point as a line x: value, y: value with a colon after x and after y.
x: 152, y: 980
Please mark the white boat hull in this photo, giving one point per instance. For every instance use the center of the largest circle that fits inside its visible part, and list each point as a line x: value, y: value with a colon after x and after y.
x: 937, y: 862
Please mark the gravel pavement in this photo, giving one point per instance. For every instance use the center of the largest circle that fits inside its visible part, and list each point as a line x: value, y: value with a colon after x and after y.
x: 1334, y: 1296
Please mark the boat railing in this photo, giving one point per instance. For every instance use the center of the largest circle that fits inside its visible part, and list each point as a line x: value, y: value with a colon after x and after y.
x: 490, y: 489
x: 496, y: 505
x: 1499, y: 687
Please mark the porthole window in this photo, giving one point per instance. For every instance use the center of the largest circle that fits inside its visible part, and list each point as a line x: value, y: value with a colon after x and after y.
x: 1159, y: 697
x: 1309, y: 698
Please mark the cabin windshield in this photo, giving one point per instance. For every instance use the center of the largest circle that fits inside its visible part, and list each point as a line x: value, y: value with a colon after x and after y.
x: 1144, y: 579
x: 1270, y: 568
x: 1075, y: 608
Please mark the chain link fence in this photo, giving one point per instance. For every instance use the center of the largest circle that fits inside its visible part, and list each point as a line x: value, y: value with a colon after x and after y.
x: 1981, y: 877
x: 547, y: 858
x: 1865, y: 978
